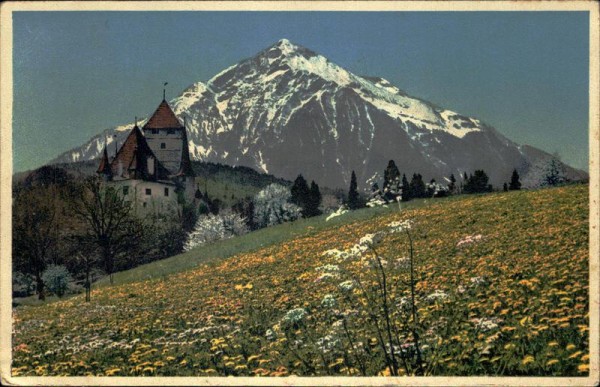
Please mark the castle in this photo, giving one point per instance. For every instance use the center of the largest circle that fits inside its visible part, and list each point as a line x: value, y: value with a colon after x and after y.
x: 152, y: 169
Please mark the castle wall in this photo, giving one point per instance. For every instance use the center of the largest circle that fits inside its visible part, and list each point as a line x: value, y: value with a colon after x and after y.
x: 166, y: 146
x: 147, y: 196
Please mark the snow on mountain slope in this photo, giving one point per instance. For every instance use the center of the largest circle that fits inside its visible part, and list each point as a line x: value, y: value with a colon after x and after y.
x: 288, y: 110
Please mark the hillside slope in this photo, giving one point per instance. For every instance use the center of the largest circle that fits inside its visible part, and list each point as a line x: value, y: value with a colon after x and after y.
x: 517, y: 289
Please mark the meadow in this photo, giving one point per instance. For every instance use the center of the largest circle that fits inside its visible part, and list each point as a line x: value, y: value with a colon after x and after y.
x: 500, y: 288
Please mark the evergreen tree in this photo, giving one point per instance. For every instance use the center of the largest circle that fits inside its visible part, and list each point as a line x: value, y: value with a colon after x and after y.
x: 314, y: 201
x: 406, y: 194
x: 505, y: 187
x: 515, y: 184
x: 354, y: 201
x: 417, y: 186
x: 390, y: 175
x: 478, y: 183
x: 300, y: 193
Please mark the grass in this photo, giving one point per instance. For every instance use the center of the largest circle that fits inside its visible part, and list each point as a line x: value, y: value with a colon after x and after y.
x: 251, y: 242
x: 513, y: 301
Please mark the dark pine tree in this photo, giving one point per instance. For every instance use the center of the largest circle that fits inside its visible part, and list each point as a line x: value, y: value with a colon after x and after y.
x: 390, y: 175
x: 314, y: 201
x: 417, y: 186
x: 515, y: 183
x: 406, y: 194
x: 478, y: 183
x: 300, y: 192
x: 505, y: 187
x: 354, y: 201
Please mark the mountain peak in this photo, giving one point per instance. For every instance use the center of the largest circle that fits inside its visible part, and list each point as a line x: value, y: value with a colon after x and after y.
x: 285, y: 43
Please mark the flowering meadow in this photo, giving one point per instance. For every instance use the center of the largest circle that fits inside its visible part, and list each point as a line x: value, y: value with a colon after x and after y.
x: 495, y: 285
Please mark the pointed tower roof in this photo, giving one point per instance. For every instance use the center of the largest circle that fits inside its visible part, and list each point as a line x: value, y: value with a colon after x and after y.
x: 104, y: 167
x: 185, y: 168
x: 133, y: 159
x: 163, y: 118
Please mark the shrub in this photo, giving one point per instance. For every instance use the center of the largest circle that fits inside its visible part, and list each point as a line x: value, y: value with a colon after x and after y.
x: 57, y: 279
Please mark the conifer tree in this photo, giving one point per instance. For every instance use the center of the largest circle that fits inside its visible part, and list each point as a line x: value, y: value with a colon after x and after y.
x: 390, y: 175
x: 406, y: 193
x: 354, y: 201
x: 300, y: 192
x: 505, y: 187
x: 417, y: 186
x: 515, y: 184
x: 314, y: 201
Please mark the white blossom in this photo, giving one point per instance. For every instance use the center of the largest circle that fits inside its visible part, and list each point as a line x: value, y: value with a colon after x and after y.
x: 437, y: 295
x: 347, y: 285
x: 329, y: 301
x: 399, y: 226
x: 294, y: 315
x: 340, y: 211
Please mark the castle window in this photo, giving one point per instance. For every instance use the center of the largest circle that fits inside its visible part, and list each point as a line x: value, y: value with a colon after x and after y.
x: 125, y: 190
x: 163, y: 145
x: 170, y: 131
x: 148, y: 191
x: 144, y: 205
x: 166, y: 192
x: 154, y: 131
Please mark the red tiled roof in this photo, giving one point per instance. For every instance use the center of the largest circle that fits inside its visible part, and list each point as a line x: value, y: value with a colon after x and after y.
x: 133, y: 157
x: 163, y: 118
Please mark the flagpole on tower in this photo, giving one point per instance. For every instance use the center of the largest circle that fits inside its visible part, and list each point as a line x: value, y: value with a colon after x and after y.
x: 164, y: 90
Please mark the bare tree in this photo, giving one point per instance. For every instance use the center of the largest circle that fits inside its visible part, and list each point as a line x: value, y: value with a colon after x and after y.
x: 109, y: 222
x: 35, y: 240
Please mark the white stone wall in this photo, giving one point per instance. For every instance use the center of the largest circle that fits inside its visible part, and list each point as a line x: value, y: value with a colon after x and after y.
x: 169, y: 154
x: 148, y: 196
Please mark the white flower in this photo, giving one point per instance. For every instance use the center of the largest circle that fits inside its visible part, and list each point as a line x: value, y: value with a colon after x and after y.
x: 400, y: 225
x: 437, y: 295
x: 294, y: 315
x: 486, y: 324
x: 340, y: 211
x: 377, y: 201
x: 326, y: 276
x: 329, y: 268
x: 370, y: 240
x: 327, y: 343
x: 347, y: 285
x: 402, y: 263
x: 328, y: 301
x: 476, y: 281
x: 270, y: 335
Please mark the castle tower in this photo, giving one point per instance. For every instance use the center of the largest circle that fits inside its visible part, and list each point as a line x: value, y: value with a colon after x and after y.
x: 168, y: 140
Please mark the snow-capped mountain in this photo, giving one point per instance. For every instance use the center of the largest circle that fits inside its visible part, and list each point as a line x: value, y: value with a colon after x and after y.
x: 288, y: 110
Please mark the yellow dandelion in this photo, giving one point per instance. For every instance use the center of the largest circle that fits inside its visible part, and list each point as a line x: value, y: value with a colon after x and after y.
x: 583, y: 368
x: 575, y: 355
x: 551, y: 362
x: 571, y: 347
x: 528, y: 359
x: 112, y: 371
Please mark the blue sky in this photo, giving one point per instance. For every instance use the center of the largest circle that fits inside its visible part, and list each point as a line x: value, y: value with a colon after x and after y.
x: 77, y: 73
